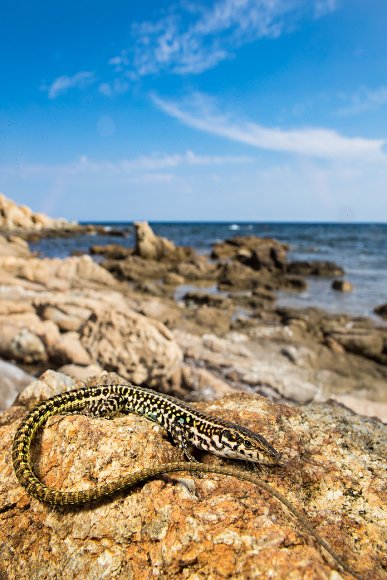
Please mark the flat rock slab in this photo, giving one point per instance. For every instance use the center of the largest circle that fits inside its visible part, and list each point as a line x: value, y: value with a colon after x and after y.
x: 195, y: 527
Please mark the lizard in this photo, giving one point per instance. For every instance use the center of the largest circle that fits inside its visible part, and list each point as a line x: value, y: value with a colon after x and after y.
x: 187, y: 426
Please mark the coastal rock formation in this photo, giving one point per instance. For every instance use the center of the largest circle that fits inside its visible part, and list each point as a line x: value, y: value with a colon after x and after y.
x: 315, y: 268
x: 70, y: 312
x: 381, y: 311
x: 262, y: 253
x: 151, y: 247
x: 14, y: 246
x: 136, y: 347
x: 185, y: 526
x: 20, y: 217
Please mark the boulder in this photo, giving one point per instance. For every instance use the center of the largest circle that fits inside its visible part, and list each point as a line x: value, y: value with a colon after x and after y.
x: 12, y: 381
x: 260, y: 252
x: 185, y: 526
x: 366, y: 344
x: 342, y: 286
x: 137, y: 348
x: 111, y: 251
x: 14, y: 246
x: 381, y: 311
x: 315, y: 268
x: 149, y: 246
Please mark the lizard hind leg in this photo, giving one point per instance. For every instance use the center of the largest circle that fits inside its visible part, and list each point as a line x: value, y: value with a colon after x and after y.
x: 106, y: 408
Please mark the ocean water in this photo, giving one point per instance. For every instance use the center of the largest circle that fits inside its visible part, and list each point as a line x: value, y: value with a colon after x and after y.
x: 361, y: 249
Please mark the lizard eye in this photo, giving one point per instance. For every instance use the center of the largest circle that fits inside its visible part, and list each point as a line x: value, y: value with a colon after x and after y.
x: 248, y: 444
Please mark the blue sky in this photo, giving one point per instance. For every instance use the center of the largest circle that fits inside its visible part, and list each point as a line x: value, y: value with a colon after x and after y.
x: 254, y: 110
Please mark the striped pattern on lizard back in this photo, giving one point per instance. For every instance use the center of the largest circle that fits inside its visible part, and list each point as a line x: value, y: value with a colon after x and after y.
x: 186, y: 425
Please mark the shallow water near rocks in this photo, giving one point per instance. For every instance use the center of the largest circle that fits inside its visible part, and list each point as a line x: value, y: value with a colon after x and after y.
x: 361, y: 249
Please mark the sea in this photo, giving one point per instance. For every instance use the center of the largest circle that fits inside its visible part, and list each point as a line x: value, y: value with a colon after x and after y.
x: 361, y: 249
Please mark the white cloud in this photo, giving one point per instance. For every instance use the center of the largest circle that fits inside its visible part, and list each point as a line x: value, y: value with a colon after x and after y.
x: 364, y: 100
x: 116, y: 87
x: 64, y: 83
x: 200, y: 113
x: 190, y: 39
x: 139, y: 168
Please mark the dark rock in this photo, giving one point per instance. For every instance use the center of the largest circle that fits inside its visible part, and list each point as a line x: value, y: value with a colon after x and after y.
x: 112, y: 251
x: 365, y: 344
x: 201, y: 298
x: 315, y: 268
x: 381, y: 311
x: 342, y: 286
x: 267, y: 250
x: 295, y: 283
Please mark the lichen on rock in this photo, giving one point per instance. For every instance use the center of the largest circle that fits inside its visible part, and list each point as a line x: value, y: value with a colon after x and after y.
x: 201, y: 527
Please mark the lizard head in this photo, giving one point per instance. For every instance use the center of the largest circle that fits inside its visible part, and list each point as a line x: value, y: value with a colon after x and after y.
x: 241, y: 443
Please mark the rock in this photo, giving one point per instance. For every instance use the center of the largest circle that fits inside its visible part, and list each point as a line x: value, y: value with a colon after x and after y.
x: 137, y: 348
x: 342, y: 286
x: 13, y: 246
x: 294, y: 283
x: 173, y: 279
x: 12, y: 381
x: 381, y: 311
x: 20, y: 344
x: 65, y: 321
x: 212, y: 319
x: 69, y: 350
x: 236, y: 276
x: 57, y: 274
x: 363, y: 406
x: 197, y: 268
x: 334, y: 345
x: 149, y: 246
x: 266, y: 257
x: 49, y: 384
x: 14, y: 217
x: 204, y: 385
x: 81, y: 373
x: 136, y: 269
x: 258, y: 253
x: 364, y: 343
x: 315, y: 268
x: 186, y: 526
x: 208, y: 299
x: 111, y: 251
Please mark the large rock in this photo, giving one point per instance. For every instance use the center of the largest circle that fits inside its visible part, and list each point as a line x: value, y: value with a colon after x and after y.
x: 195, y: 527
x: 381, y: 311
x: 315, y: 268
x: 14, y: 246
x: 138, y: 348
x: 12, y: 381
x: 20, y: 217
x: 148, y: 245
x: 56, y: 274
x: 261, y: 252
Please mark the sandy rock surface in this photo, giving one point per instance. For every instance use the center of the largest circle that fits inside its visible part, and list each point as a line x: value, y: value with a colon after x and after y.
x: 72, y: 312
x: 14, y: 216
x: 192, y: 527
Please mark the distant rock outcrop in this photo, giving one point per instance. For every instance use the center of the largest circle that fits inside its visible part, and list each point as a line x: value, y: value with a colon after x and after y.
x: 21, y: 217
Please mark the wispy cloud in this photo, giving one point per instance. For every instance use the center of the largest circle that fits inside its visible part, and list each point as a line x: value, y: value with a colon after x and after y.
x: 364, y: 100
x: 193, y: 37
x: 64, y: 83
x: 139, y: 168
x: 200, y: 113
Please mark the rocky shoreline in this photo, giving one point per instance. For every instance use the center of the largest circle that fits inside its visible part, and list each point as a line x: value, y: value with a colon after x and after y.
x: 208, y: 330
x: 192, y: 325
